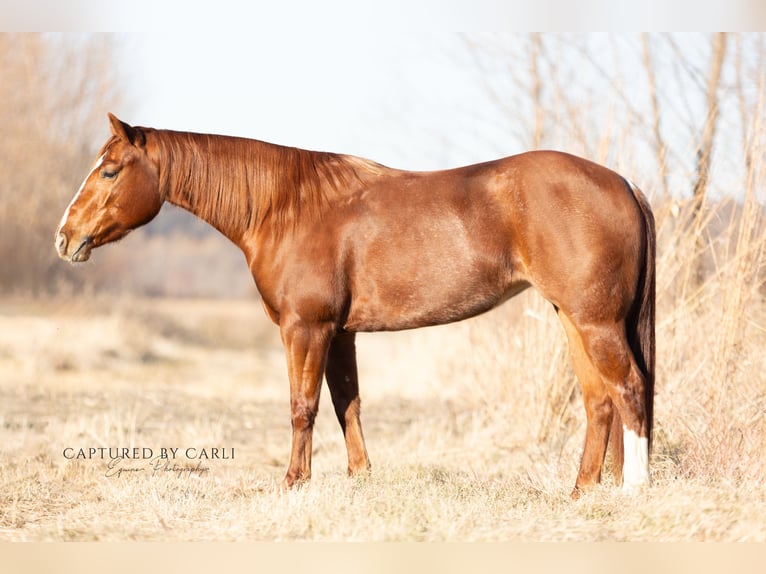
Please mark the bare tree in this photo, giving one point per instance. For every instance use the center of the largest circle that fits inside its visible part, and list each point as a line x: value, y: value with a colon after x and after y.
x: 536, y: 88
x: 705, y: 148
x: 513, y: 74
x: 55, y: 92
x: 659, y: 142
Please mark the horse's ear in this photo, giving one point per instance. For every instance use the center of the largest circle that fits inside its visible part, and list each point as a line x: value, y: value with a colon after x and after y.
x: 124, y: 131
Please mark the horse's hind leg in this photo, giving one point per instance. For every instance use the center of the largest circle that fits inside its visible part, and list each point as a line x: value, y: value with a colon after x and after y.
x: 616, y: 447
x: 599, y: 411
x: 342, y: 379
x: 606, y: 347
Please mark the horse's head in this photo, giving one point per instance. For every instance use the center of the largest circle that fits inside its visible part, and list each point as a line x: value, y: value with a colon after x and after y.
x: 120, y: 193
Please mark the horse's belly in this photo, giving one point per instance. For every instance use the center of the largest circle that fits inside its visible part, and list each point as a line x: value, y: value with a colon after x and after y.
x: 403, y: 304
x: 430, y: 264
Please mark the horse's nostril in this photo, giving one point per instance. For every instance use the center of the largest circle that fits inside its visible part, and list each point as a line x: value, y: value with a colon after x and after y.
x: 61, y: 243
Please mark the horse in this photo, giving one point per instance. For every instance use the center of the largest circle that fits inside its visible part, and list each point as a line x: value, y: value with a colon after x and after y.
x: 338, y: 245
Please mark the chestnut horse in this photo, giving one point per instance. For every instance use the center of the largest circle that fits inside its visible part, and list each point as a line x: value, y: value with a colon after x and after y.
x: 337, y: 245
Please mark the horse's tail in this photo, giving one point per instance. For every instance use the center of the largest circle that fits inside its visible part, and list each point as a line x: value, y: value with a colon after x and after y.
x: 640, y: 321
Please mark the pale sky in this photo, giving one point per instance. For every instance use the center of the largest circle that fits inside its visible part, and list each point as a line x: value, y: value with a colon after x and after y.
x: 395, y: 98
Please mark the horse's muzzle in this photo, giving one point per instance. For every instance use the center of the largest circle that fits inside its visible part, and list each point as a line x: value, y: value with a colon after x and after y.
x: 82, y: 253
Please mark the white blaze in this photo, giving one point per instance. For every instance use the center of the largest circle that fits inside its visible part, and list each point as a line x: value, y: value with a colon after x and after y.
x: 635, y: 470
x: 79, y: 191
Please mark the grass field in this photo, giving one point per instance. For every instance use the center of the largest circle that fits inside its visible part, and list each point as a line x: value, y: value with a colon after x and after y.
x: 474, y: 431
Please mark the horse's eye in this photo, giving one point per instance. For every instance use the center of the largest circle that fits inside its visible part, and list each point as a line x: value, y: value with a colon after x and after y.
x: 108, y: 174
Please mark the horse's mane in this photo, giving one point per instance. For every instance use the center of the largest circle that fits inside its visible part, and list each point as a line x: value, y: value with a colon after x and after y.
x: 241, y: 184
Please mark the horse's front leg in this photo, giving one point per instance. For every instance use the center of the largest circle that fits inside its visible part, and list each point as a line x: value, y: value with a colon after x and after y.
x: 306, y: 348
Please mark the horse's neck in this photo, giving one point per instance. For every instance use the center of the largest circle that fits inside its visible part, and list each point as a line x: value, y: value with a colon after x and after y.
x: 243, y: 187
x: 206, y: 175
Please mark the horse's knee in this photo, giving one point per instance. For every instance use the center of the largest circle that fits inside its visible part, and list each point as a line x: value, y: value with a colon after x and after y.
x: 302, y: 416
